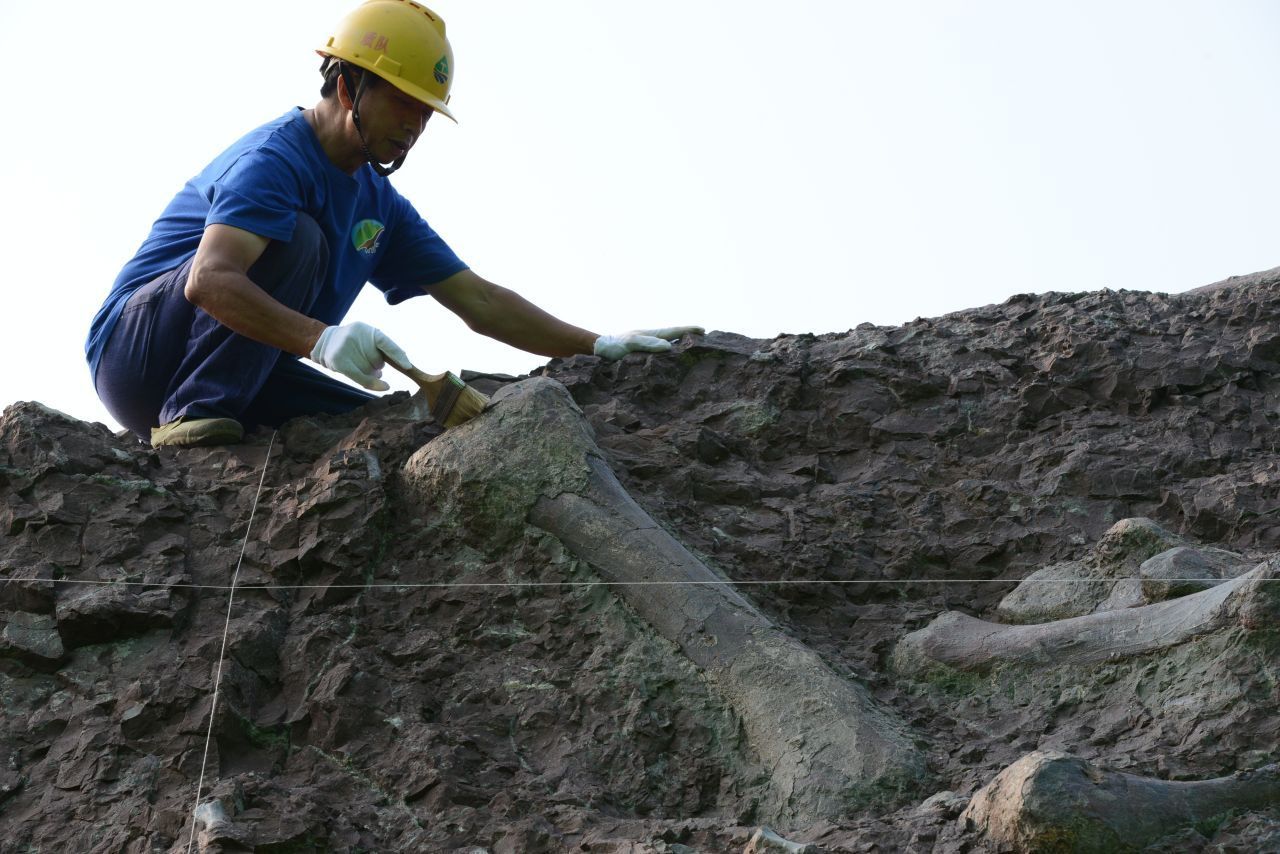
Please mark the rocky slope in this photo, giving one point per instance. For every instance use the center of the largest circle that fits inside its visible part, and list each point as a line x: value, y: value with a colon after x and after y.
x: 409, y: 671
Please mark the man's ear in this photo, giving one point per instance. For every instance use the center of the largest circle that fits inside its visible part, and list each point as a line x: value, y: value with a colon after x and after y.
x: 345, y: 98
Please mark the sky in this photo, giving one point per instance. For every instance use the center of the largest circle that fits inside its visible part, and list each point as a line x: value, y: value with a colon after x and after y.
x: 759, y: 168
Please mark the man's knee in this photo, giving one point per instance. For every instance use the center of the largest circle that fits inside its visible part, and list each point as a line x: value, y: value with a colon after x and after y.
x: 309, y: 240
x: 293, y: 271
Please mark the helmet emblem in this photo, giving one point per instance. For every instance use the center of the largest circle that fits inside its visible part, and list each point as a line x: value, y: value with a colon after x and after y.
x: 442, y: 70
x: 374, y: 40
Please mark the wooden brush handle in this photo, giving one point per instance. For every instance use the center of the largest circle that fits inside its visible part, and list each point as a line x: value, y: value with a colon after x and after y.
x: 431, y: 384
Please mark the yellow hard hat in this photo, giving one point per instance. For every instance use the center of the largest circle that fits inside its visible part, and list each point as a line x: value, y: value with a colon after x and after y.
x: 403, y: 43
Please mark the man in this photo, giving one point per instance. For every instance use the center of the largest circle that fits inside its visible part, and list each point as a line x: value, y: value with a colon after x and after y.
x: 257, y: 260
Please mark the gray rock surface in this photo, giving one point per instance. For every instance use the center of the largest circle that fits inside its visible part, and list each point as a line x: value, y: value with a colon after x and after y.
x: 392, y: 683
x: 33, y: 638
x: 1183, y: 570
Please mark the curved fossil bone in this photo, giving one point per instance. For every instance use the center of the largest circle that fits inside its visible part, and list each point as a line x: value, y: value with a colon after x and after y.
x: 1050, y: 801
x: 531, y: 458
x: 966, y: 643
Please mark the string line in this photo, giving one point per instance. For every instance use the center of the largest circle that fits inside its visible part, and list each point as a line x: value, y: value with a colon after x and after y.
x: 222, y: 653
x: 778, y: 582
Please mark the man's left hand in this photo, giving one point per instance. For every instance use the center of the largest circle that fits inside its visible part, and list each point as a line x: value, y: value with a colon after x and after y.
x: 614, y: 347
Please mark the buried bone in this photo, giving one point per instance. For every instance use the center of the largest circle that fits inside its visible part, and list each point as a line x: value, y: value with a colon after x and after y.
x: 765, y: 841
x: 531, y: 458
x: 1050, y: 801
x: 1136, y: 562
x: 1103, y: 580
x: 957, y: 640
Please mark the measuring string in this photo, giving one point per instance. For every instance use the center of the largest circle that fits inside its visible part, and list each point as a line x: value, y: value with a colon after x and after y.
x: 768, y: 582
x: 226, y: 628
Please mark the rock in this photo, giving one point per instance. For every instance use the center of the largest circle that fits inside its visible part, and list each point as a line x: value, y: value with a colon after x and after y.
x: 1129, y: 542
x: 101, y: 613
x: 946, y: 804
x: 34, y: 591
x: 1055, y: 593
x: 1125, y: 593
x: 33, y: 639
x: 1184, y: 570
x: 411, y: 674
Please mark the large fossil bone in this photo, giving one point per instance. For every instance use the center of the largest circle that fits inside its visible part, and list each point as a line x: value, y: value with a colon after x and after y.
x: 966, y: 643
x: 531, y: 458
x: 1050, y: 801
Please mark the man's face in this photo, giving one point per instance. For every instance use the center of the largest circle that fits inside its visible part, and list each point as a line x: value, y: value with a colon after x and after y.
x: 392, y: 120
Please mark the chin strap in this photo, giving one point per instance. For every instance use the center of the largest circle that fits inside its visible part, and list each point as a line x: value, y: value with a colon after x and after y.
x: 384, y: 171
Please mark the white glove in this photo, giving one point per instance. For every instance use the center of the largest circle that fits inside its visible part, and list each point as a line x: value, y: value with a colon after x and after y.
x: 644, y: 340
x: 358, y: 351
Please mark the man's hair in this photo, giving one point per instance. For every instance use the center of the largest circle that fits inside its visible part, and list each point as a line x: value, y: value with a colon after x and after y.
x: 330, y: 68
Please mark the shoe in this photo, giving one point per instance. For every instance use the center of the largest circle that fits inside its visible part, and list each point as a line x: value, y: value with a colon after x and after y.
x: 187, y: 432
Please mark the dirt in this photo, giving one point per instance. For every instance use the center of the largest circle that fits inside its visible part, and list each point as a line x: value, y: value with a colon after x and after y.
x: 393, y: 684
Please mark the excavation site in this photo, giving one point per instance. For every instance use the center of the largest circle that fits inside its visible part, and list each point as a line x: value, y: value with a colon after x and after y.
x: 1006, y: 580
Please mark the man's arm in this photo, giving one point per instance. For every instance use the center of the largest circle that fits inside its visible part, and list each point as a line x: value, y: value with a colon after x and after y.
x: 506, y: 316
x: 219, y: 283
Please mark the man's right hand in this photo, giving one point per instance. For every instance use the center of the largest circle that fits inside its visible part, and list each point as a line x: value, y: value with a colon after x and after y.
x: 358, y: 351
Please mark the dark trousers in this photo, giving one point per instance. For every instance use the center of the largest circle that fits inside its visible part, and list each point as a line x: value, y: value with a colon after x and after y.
x: 166, y: 358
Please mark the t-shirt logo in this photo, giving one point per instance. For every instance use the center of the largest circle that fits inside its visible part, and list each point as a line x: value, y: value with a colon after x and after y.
x: 366, y: 235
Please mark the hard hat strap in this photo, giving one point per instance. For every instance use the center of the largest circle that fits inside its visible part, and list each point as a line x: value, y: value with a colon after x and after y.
x: 384, y: 171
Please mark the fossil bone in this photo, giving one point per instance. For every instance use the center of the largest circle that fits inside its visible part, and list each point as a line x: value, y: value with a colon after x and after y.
x: 966, y: 643
x: 531, y: 458
x: 1051, y: 801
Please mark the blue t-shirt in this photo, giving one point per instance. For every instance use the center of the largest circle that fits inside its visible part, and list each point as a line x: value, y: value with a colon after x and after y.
x: 260, y: 184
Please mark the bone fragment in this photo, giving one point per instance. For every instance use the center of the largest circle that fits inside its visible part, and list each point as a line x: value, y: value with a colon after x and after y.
x: 1055, y: 592
x: 966, y: 643
x: 828, y: 745
x: 1051, y: 801
x: 765, y: 841
x: 212, y: 815
x: 216, y: 829
x: 1136, y: 563
x: 1105, y: 579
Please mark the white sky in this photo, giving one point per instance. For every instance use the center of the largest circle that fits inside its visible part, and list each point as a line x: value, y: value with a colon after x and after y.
x: 753, y: 167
